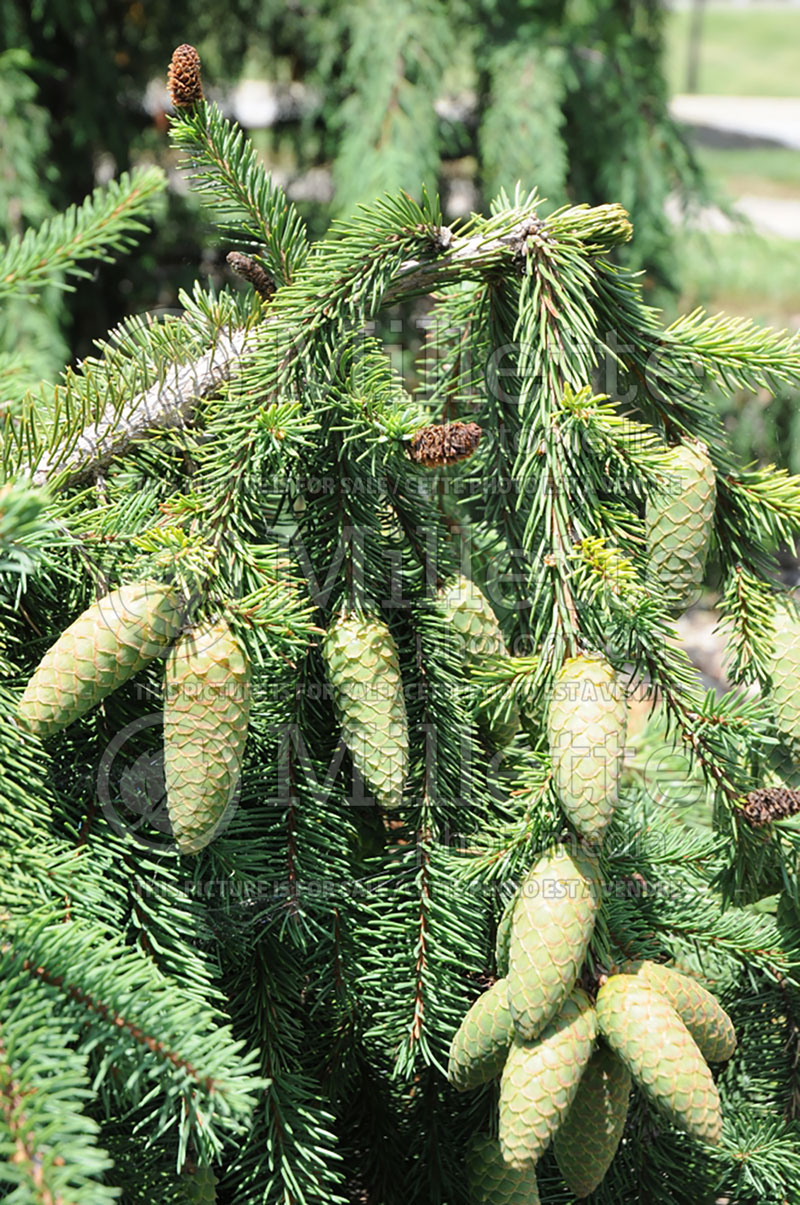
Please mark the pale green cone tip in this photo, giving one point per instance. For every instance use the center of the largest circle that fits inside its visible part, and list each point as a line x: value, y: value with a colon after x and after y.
x: 480, y: 1045
x: 644, y: 1030
x: 679, y: 522
x: 492, y: 1181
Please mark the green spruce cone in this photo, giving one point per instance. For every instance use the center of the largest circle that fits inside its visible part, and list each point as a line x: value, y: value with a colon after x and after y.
x: 206, y: 713
x: 586, y: 723
x: 493, y: 1182
x: 364, y: 673
x: 541, y: 1078
x: 644, y: 1030
x: 200, y: 1186
x: 587, y: 1141
x: 110, y: 642
x: 706, y: 1020
x: 552, y: 925
x: 480, y: 1045
x: 785, y: 692
x: 679, y: 520
x: 502, y: 939
x: 473, y: 619
x: 480, y: 635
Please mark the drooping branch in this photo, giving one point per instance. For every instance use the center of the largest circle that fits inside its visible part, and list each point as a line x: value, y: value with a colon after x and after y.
x: 171, y: 402
x: 168, y: 403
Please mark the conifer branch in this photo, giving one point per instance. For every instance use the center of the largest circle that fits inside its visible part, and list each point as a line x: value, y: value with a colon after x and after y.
x: 106, y: 222
x: 171, y: 403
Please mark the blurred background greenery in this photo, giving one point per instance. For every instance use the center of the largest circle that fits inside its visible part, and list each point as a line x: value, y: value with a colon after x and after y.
x: 345, y: 100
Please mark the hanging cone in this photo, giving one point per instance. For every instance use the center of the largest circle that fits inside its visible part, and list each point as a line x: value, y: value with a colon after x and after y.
x: 587, y: 1141
x: 540, y: 1081
x: 644, y: 1030
x: 552, y: 926
x: 480, y: 635
x: 199, y: 1186
x: 206, y: 711
x: 106, y: 645
x: 472, y: 617
x: 784, y: 694
x: 364, y: 673
x: 493, y: 1182
x: 707, y: 1022
x: 679, y: 521
x: 503, y: 937
x: 480, y: 1045
x: 586, y: 724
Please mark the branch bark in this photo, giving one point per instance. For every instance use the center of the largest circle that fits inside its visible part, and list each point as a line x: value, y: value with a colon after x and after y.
x: 171, y: 403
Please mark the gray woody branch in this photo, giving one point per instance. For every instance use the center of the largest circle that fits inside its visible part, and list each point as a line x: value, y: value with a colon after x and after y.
x: 171, y: 402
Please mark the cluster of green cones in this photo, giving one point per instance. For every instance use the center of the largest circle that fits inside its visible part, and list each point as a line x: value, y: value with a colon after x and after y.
x: 206, y: 696
x: 567, y: 1055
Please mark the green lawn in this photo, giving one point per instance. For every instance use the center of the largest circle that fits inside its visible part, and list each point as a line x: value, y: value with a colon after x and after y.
x: 765, y: 172
x: 744, y: 52
x: 742, y: 274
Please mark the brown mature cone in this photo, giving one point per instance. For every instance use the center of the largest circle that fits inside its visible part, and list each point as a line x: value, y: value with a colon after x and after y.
x: 183, y: 78
x: 437, y: 446
x: 771, y: 803
x: 246, y: 267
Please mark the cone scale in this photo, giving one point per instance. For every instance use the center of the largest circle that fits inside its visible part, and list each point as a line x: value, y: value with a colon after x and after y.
x: 206, y: 712
x: 109, y: 643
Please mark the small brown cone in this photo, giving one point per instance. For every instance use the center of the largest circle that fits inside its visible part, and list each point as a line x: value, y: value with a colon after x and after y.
x: 183, y: 78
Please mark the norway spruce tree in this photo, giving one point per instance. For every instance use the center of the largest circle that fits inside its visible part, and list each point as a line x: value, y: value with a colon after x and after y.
x: 333, y: 869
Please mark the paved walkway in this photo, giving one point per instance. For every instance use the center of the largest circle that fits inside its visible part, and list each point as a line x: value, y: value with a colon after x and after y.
x: 771, y: 119
x: 741, y: 121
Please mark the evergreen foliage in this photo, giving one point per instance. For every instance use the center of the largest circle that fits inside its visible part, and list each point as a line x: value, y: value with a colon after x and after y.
x: 279, y: 1007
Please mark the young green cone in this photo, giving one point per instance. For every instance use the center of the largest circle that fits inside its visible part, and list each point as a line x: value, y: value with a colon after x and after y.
x: 679, y: 520
x: 552, y: 926
x: 785, y: 692
x: 707, y: 1022
x: 587, y: 1141
x: 480, y: 1044
x: 502, y: 939
x: 110, y: 642
x: 644, y: 1030
x: 206, y: 712
x: 480, y: 635
x: 541, y: 1078
x: 200, y: 1186
x: 586, y: 723
x: 493, y: 1182
x: 364, y: 673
